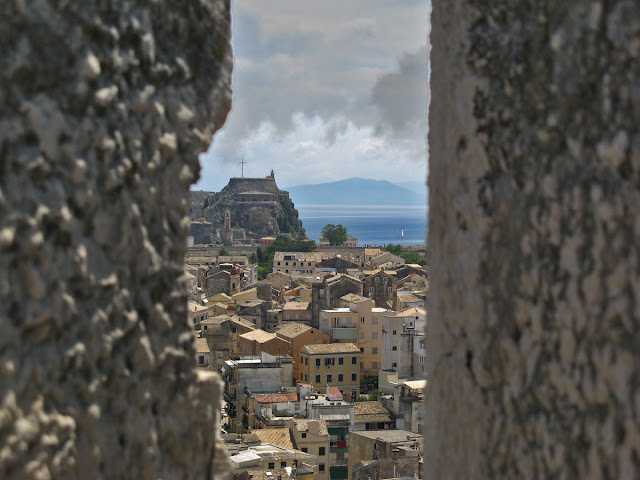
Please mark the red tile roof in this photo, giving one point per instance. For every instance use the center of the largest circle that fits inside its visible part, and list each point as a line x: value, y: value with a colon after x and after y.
x: 277, y: 398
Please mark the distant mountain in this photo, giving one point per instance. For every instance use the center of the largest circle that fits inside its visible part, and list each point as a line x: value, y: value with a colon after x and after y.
x: 355, y: 191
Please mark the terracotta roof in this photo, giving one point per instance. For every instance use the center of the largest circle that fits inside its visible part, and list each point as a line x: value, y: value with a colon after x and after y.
x: 302, y: 425
x: 353, y: 298
x: 277, y: 398
x: 258, y: 335
x: 411, y: 311
x: 292, y: 329
x: 243, y: 322
x: 369, y: 408
x: 334, y: 393
x: 327, y: 348
x: 274, y: 436
x: 372, y: 418
x: 296, y: 306
x: 409, y: 298
x: 202, y: 346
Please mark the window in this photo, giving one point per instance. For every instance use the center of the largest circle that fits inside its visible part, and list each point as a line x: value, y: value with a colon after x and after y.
x: 361, y: 335
x: 201, y: 359
x: 329, y: 361
x: 353, y: 377
x: 361, y: 319
x: 234, y: 329
x: 375, y: 320
x: 340, y: 377
x: 340, y: 360
x: 306, y: 378
x: 394, y: 332
x: 219, y: 354
x: 354, y: 360
x: 384, y: 280
x: 362, y: 350
x: 301, y: 376
x: 377, y: 279
x: 304, y: 449
x: 374, y: 364
x: 321, y: 451
x: 329, y: 378
x: 297, y: 316
x: 306, y: 360
x: 394, y: 348
x: 304, y: 435
x: 389, y: 291
x: 317, y: 362
x: 321, y: 467
x: 272, y: 465
x: 421, y: 359
x: 278, y: 263
x: 374, y: 335
x: 374, y: 351
x: 370, y: 290
x: 283, y: 464
x: 394, y: 365
x: 318, y: 378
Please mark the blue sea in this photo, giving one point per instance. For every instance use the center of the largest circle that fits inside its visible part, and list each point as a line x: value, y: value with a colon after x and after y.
x: 370, y: 224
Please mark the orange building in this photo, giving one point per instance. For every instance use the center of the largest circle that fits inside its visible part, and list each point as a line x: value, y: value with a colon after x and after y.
x: 298, y: 335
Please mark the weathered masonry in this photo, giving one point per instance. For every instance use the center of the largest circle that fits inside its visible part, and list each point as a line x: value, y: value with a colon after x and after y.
x: 104, y: 107
x: 534, y: 353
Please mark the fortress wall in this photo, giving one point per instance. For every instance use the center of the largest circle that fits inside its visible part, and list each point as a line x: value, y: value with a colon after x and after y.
x: 104, y: 106
x: 240, y: 184
x: 534, y: 225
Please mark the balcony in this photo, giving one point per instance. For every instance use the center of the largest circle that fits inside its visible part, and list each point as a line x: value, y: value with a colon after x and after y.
x: 344, y: 333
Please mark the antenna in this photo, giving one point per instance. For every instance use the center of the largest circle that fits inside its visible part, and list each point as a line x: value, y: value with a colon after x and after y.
x: 243, y: 163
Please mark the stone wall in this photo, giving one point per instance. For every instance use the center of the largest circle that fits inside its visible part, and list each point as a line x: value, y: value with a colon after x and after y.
x: 534, y: 353
x: 104, y: 106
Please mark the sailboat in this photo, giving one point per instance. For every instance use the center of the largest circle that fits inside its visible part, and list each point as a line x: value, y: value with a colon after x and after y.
x: 401, y: 233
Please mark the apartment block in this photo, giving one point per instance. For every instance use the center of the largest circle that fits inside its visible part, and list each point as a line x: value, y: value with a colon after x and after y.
x: 334, y: 364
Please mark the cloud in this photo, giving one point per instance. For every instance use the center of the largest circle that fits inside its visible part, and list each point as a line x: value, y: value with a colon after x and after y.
x: 344, y: 68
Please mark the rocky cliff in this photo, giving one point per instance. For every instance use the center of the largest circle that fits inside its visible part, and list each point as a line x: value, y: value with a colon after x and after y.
x: 255, y: 204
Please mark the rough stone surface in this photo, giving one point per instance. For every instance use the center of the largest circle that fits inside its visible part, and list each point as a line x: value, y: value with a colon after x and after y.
x: 104, y: 108
x: 534, y: 355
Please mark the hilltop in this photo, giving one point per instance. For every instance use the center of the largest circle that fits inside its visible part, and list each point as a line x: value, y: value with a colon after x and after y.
x: 256, y: 205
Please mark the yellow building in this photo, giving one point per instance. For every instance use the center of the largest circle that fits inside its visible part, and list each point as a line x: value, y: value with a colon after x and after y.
x: 251, y: 294
x: 312, y: 436
x: 358, y: 322
x: 332, y: 364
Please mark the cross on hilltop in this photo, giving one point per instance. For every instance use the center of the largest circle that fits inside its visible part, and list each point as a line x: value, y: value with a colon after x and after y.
x: 243, y: 164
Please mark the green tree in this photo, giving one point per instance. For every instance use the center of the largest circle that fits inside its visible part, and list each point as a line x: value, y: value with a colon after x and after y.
x: 334, y: 234
x: 408, y: 255
x: 253, y: 258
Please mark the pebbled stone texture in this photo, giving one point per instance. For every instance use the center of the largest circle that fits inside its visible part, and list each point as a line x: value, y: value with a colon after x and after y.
x: 534, y: 365
x: 104, y: 105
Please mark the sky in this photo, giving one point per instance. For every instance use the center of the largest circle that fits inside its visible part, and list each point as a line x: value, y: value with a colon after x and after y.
x: 325, y: 90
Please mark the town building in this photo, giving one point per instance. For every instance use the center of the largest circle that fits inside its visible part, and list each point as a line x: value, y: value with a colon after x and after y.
x: 335, y: 264
x: 326, y: 293
x: 245, y: 377
x: 203, y: 354
x: 289, y: 262
x: 386, y: 260
x: 274, y: 410
x: 406, y: 404
x: 312, y: 436
x: 382, y: 288
x: 360, y: 323
x: 257, y: 341
x: 333, y: 364
x: 297, y: 312
x: 372, y: 415
x: 385, y: 454
x: 196, y: 314
x: 339, y: 417
x: 298, y: 335
x: 399, y: 331
x: 268, y: 457
x: 266, y: 241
